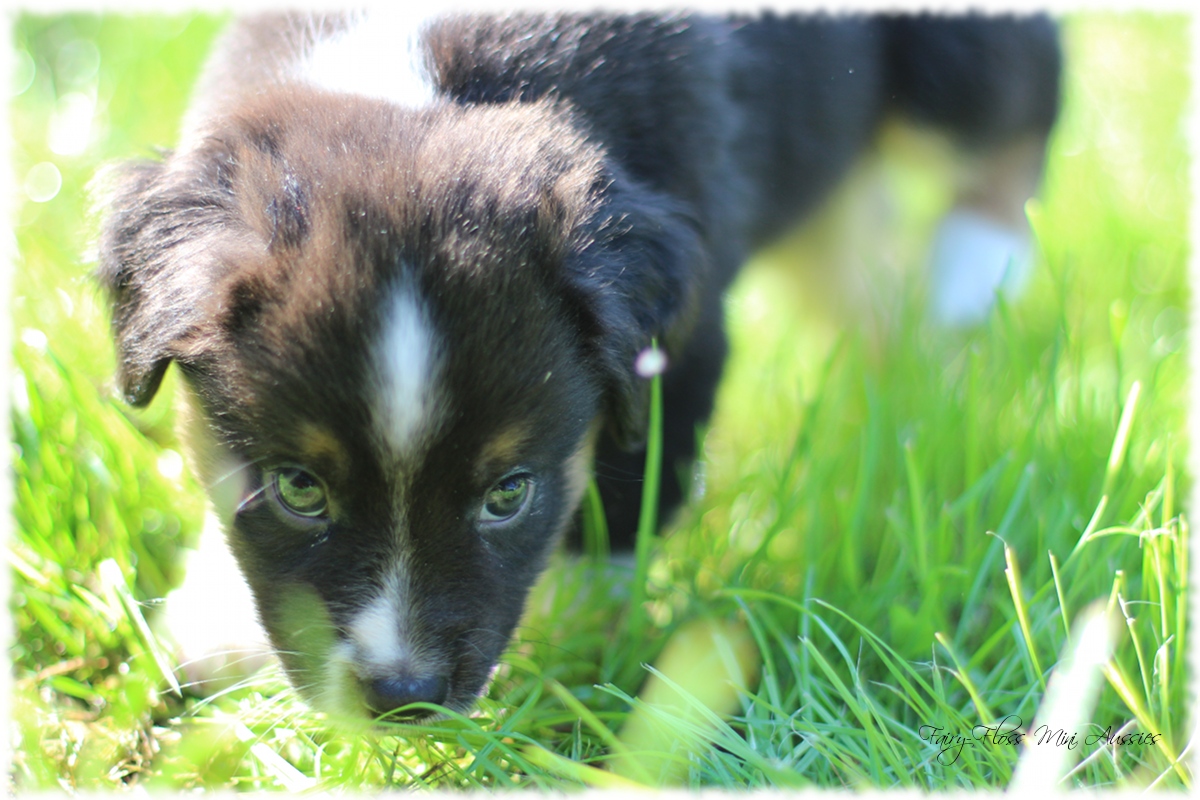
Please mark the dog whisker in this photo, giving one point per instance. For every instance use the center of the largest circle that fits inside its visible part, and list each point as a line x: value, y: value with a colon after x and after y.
x: 235, y: 471
x: 250, y: 498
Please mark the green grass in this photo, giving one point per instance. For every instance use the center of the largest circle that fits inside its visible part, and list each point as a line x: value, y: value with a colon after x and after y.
x: 900, y: 525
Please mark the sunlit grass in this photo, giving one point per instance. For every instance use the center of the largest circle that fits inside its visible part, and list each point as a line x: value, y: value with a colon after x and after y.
x: 900, y: 526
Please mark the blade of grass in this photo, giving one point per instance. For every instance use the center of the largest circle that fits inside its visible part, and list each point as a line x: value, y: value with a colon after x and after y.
x: 573, y: 770
x: 1116, y: 456
x: 1012, y: 574
x: 960, y: 672
x: 1067, y: 704
x: 648, y: 516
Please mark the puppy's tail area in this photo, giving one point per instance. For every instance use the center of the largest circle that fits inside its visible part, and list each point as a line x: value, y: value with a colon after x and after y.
x: 986, y: 80
x: 992, y: 84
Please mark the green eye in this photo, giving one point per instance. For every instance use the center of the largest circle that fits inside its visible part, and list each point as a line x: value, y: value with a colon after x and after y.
x: 505, y: 499
x: 300, y: 492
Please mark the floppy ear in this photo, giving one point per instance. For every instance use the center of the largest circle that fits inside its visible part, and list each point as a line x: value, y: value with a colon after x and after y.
x: 156, y: 259
x: 637, y: 283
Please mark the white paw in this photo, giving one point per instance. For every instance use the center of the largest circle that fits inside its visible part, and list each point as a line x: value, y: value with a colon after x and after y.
x: 211, y: 619
x: 974, y: 258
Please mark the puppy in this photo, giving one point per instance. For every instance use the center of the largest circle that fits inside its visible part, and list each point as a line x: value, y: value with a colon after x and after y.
x: 407, y: 268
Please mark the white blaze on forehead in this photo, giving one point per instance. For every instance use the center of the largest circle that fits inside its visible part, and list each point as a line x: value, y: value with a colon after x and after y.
x: 406, y: 361
x: 379, y: 55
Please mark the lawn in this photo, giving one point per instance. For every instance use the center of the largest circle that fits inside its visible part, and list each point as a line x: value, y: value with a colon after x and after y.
x: 901, y: 531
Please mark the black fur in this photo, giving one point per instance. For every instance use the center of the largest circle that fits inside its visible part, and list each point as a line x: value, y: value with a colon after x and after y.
x: 590, y: 184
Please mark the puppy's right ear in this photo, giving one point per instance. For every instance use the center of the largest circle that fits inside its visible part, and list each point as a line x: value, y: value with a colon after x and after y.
x: 637, y: 282
x: 156, y: 260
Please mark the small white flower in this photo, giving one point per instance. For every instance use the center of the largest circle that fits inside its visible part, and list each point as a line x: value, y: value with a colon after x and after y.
x: 650, y: 362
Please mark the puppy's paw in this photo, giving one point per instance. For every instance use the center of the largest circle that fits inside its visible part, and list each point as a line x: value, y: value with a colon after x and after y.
x: 211, y: 619
x: 974, y: 258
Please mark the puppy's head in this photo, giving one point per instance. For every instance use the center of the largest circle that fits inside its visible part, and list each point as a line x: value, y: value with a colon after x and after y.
x: 401, y: 332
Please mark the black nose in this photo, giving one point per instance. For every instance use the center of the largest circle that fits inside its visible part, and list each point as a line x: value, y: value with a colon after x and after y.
x: 389, y: 694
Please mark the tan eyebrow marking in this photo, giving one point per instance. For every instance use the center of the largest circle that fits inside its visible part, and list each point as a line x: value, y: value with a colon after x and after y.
x: 320, y: 447
x: 502, y: 449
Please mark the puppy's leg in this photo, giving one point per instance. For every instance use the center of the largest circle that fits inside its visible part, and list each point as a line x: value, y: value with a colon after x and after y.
x: 211, y: 619
x: 993, y: 85
x: 983, y: 245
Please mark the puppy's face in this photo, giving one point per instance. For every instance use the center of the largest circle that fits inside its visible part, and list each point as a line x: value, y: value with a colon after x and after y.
x: 399, y: 331
x: 392, y: 499
x: 394, y: 475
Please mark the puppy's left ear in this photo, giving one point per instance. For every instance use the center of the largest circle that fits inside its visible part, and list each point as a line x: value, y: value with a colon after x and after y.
x: 637, y: 283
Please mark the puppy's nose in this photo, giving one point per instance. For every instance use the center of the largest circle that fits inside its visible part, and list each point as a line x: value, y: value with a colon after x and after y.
x: 388, y: 694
